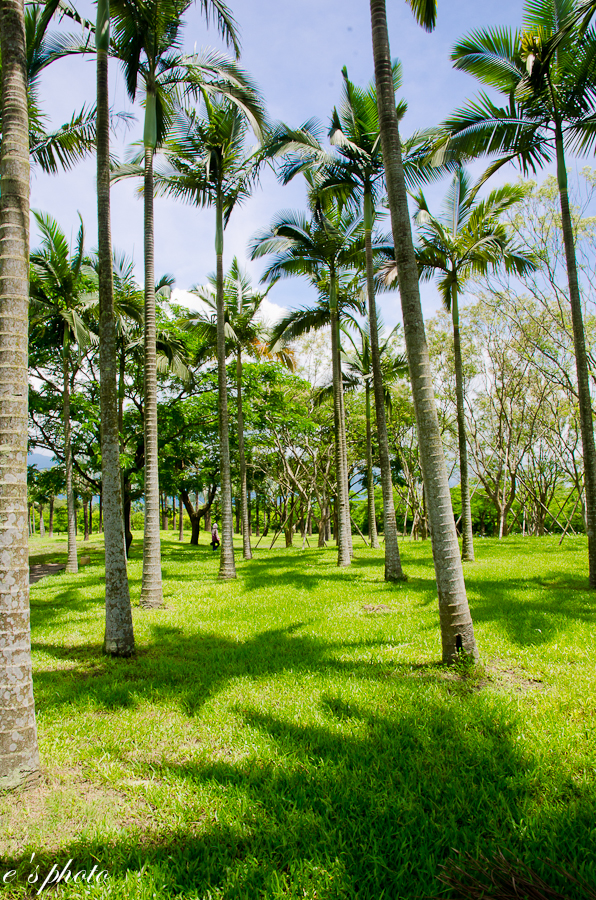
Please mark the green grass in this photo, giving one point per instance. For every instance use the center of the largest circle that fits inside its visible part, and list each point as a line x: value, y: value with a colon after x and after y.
x: 272, y: 739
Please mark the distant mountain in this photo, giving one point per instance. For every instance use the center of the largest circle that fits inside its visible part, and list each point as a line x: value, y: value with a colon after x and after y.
x: 40, y: 460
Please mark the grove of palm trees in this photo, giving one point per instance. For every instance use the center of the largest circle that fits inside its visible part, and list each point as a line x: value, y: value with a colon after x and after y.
x: 297, y: 459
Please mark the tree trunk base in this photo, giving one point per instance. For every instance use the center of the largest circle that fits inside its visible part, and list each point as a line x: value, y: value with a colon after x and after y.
x: 460, y: 644
x: 151, y: 600
x: 395, y: 578
x: 21, y: 781
x: 115, y: 648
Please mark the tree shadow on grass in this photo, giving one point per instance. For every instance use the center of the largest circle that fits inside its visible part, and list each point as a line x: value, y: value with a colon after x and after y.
x: 361, y: 804
x: 185, y: 671
x: 62, y: 604
x: 530, y: 611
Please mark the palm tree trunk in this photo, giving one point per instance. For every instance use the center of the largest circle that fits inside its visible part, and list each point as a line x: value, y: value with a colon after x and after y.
x: 457, y: 631
x: 581, y: 362
x: 393, y: 569
x: 344, y: 451
x: 151, y: 587
x: 85, y: 519
x: 227, y: 565
x: 119, y: 637
x: 72, y: 563
x: 467, y: 550
x: 19, y: 756
x: 247, y: 552
x: 343, y: 547
x: 372, y: 513
x: 51, y: 519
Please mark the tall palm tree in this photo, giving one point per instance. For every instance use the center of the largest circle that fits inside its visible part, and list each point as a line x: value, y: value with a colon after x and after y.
x: 245, y: 333
x: 359, y: 368
x: 354, y: 173
x: 320, y: 247
x: 466, y: 239
x: 119, y: 636
x: 549, y: 109
x: 19, y: 759
x: 61, y: 283
x: 147, y: 40
x: 208, y: 164
x: 457, y: 631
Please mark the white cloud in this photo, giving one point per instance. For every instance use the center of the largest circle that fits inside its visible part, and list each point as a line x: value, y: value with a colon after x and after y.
x: 271, y: 312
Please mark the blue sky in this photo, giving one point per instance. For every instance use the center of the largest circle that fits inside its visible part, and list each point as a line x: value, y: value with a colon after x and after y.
x: 295, y: 52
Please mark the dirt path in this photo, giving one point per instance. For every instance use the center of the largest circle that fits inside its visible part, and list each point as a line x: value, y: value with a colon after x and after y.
x: 42, y: 569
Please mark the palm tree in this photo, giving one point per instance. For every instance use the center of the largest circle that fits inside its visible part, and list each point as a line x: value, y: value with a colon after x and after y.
x: 319, y: 248
x: 147, y: 40
x: 207, y: 164
x: 119, y: 636
x: 549, y: 109
x: 467, y: 239
x: 19, y: 761
x: 171, y: 354
x: 245, y: 333
x: 60, y: 294
x: 457, y: 631
x: 355, y: 174
x: 359, y: 370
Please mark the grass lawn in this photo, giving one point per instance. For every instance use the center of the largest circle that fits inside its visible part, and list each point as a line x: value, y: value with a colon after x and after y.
x: 274, y: 738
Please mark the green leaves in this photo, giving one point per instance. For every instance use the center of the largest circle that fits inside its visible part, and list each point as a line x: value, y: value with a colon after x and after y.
x: 425, y: 12
x: 493, y: 56
x: 62, y: 284
x: 468, y: 238
x: 547, y: 75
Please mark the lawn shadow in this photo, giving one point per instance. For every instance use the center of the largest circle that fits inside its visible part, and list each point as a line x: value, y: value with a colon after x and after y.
x: 362, y: 805
x: 185, y: 671
x: 531, y: 610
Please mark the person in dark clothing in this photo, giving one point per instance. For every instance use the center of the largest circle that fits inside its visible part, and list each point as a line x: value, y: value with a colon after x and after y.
x: 214, y: 537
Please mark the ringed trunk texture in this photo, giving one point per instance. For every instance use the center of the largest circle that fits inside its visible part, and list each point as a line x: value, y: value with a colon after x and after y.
x: 370, y: 487
x: 246, y: 548
x: 457, y: 631
x: 19, y: 756
x: 72, y: 563
x: 467, y: 550
x: 151, y: 587
x: 118, y: 637
x: 344, y: 557
x: 227, y: 564
x: 393, y: 569
x: 581, y: 363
